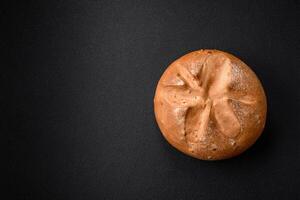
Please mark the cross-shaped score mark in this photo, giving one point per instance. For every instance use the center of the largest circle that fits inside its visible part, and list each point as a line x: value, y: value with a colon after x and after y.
x: 206, y: 96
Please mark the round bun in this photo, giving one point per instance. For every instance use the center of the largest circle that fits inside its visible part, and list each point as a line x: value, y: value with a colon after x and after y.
x: 210, y: 105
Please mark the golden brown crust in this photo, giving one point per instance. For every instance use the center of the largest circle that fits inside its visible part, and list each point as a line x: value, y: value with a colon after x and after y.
x: 210, y: 105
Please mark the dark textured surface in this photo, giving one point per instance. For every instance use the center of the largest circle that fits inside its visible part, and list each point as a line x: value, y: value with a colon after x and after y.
x: 80, y: 116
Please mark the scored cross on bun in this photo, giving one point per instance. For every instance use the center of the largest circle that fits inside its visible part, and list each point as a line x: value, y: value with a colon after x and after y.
x: 210, y: 105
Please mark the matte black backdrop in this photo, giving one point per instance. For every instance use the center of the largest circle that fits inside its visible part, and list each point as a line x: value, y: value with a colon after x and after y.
x: 80, y: 116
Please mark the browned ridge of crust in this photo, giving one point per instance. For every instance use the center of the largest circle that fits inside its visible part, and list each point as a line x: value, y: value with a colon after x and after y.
x: 210, y: 105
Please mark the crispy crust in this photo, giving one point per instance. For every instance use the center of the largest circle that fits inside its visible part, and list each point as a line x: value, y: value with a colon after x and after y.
x: 210, y: 105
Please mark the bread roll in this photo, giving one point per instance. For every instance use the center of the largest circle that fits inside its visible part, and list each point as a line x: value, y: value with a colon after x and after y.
x: 210, y: 105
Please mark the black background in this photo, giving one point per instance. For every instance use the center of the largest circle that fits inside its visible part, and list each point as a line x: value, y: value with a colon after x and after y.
x: 80, y: 114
